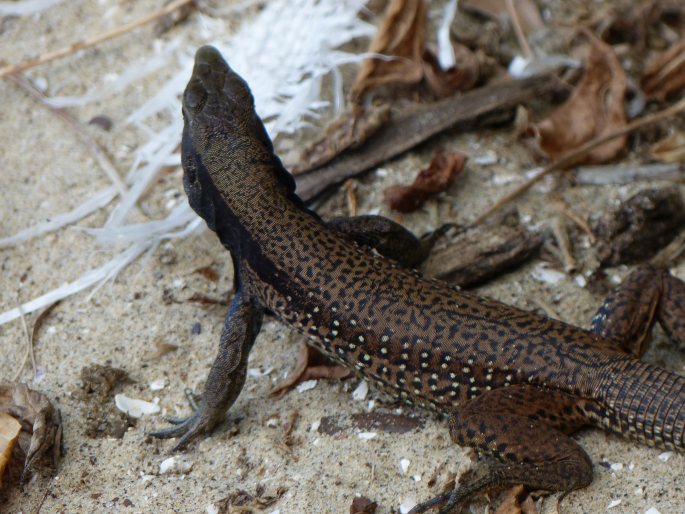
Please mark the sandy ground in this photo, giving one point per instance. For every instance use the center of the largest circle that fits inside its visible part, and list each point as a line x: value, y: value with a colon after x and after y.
x: 46, y: 171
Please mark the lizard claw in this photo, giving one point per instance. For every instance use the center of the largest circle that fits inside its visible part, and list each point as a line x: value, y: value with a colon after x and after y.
x: 200, y: 422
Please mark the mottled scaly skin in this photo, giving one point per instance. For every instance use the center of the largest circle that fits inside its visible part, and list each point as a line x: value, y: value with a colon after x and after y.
x: 514, y: 384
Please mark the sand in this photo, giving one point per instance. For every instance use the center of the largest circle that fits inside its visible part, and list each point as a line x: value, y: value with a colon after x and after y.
x: 45, y: 170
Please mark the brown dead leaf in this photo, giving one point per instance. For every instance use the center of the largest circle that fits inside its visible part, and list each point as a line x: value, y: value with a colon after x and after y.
x: 311, y: 365
x: 362, y: 505
x: 9, y: 433
x: 461, y: 77
x: 40, y: 421
x: 526, y: 10
x: 401, y: 36
x: 440, y: 174
x: 512, y: 501
x: 595, y: 108
x: 669, y: 149
x: 666, y: 74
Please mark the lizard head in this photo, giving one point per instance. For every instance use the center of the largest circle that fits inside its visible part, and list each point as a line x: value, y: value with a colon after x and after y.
x: 225, y: 145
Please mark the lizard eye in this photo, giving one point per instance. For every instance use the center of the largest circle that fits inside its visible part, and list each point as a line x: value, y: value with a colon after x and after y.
x: 194, y: 96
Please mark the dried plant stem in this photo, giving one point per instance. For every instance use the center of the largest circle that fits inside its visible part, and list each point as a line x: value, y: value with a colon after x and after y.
x: 87, y: 43
x: 571, y: 156
x: 518, y: 30
x: 91, y: 145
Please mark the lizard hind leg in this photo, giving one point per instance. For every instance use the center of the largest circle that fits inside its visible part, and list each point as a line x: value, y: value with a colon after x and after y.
x: 647, y: 295
x: 523, y: 431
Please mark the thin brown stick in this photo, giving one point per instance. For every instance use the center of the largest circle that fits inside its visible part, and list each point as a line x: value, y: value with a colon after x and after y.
x: 87, y: 43
x: 91, y: 145
x: 518, y: 30
x: 571, y: 156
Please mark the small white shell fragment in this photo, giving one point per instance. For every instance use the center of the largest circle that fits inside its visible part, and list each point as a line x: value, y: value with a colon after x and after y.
x: 381, y: 172
x: 613, y: 503
x: 404, y: 465
x: 315, y: 426
x: 258, y: 373
x: 580, y: 281
x: 542, y: 273
x: 631, y: 466
x: 417, y: 478
x: 212, y: 509
x: 361, y: 391
x: 372, y: 405
x: 275, y: 512
x: 156, y: 385
x: 178, y: 464
x: 665, y: 456
x: 652, y: 510
x: 306, y: 386
x: 616, y: 466
x: 134, y: 407
x: 366, y: 435
x: 486, y: 159
x: 407, y: 504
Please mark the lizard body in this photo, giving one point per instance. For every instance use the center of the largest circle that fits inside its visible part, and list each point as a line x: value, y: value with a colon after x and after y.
x: 513, y: 383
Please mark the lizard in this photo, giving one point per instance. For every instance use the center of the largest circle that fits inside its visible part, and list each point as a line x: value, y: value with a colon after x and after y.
x: 514, y: 385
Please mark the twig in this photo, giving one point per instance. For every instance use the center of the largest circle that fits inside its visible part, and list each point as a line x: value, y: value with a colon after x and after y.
x: 518, y: 30
x: 564, y: 244
x: 91, y: 145
x: 31, y: 339
x: 571, y: 156
x: 87, y: 43
x: 351, y: 195
x: 566, y: 210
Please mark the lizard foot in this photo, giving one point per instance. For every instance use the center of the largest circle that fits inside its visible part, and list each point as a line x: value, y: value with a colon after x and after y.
x: 201, y: 421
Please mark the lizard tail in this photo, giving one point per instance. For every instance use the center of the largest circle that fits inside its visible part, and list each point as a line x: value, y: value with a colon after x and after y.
x: 645, y: 403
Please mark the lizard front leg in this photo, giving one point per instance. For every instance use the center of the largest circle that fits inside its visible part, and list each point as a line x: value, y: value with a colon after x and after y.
x: 228, y: 373
x: 389, y: 238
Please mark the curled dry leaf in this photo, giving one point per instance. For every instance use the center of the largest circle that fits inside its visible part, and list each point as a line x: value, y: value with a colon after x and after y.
x: 400, y: 36
x: 461, y: 77
x: 40, y: 421
x: 311, y: 365
x: 512, y: 501
x: 669, y: 149
x: 440, y: 174
x: 595, y: 108
x: 666, y: 74
x: 9, y: 433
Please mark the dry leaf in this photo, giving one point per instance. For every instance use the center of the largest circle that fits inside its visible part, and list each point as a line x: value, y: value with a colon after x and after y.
x: 595, y: 108
x: 311, y: 365
x: 362, y: 505
x: 512, y: 501
x: 526, y: 10
x: 669, y: 149
x: 440, y: 174
x: 9, y: 433
x: 666, y: 74
x: 461, y: 77
x: 401, y: 35
x: 40, y: 421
